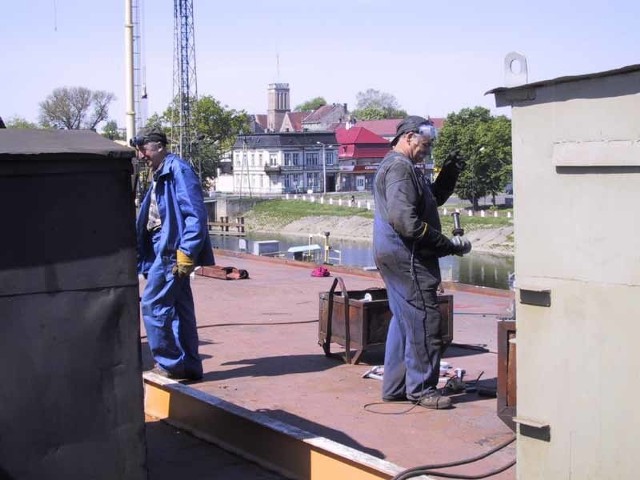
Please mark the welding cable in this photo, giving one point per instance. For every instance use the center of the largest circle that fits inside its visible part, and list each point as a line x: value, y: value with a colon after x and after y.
x: 246, y: 324
x: 428, y: 469
x: 367, y: 406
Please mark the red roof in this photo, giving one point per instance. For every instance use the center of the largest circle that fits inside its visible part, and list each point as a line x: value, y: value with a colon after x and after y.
x: 384, y: 128
x: 387, y: 127
x: 358, y: 142
x: 261, y: 119
x: 296, y: 119
x: 359, y: 135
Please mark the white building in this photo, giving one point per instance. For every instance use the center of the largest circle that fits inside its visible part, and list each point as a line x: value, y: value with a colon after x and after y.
x: 277, y: 163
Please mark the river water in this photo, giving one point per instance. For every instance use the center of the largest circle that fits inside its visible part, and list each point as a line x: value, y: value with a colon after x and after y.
x: 477, y: 268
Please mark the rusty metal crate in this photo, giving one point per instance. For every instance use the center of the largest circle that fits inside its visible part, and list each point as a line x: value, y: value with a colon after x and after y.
x: 507, y: 391
x: 349, y: 320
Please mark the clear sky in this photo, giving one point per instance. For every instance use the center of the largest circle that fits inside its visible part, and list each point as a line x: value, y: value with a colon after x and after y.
x: 434, y: 57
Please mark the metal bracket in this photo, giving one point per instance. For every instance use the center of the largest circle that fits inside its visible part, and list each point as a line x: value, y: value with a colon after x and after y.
x: 515, y: 70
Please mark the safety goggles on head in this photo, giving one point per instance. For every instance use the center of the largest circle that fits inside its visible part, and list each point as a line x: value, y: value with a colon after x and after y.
x: 138, y: 142
x: 427, y: 130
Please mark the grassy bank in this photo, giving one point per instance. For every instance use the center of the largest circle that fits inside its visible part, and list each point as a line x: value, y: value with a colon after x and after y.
x: 283, y: 212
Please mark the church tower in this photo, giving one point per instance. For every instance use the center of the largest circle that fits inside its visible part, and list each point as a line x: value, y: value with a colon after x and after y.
x: 278, y: 105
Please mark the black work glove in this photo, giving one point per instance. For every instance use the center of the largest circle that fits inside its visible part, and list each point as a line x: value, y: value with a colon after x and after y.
x: 453, y: 164
x: 461, y: 245
x: 435, y: 243
x: 454, y: 161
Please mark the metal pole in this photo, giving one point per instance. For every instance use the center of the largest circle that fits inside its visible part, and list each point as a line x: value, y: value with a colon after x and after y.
x: 324, y: 171
x: 324, y: 168
x: 128, y: 50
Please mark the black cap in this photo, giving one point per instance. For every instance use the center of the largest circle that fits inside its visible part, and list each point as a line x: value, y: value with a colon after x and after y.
x: 149, y: 134
x: 411, y: 123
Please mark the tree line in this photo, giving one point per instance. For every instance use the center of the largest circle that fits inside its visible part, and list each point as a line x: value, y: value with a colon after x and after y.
x: 484, y: 140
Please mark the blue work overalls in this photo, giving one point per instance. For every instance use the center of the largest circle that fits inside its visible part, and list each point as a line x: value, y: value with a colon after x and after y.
x: 167, y: 302
x: 411, y: 273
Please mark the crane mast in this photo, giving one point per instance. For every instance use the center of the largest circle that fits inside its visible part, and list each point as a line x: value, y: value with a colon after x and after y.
x: 185, y: 90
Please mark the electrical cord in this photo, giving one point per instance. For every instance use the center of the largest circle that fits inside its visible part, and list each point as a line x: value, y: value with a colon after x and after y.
x: 428, y: 469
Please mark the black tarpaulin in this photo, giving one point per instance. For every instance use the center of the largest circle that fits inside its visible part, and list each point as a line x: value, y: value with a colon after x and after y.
x: 51, y: 143
x: 71, y: 394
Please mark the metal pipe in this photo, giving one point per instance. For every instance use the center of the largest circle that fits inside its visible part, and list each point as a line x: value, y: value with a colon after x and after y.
x: 324, y: 169
x: 457, y: 229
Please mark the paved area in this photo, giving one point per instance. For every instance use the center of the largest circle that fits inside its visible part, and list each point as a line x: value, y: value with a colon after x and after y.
x: 259, y: 342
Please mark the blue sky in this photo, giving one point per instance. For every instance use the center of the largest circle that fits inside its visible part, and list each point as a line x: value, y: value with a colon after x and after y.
x: 434, y: 57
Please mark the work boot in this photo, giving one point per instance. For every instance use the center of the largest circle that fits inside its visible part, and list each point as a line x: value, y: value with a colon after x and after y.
x: 395, y: 398
x: 158, y: 370
x: 434, y: 400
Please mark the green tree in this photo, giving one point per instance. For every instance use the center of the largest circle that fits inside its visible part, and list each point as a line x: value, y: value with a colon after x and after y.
x: 485, y: 141
x: 19, y: 122
x: 311, y: 105
x: 215, y: 128
x: 74, y: 108
x: 376, y: 105
x: 111, y: 131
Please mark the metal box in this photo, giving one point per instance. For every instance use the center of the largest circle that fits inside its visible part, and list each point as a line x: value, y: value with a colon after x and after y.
x: 349, y: 320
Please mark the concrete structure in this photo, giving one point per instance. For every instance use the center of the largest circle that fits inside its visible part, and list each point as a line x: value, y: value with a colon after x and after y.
x: 576, y: 171
x: 278, y: 105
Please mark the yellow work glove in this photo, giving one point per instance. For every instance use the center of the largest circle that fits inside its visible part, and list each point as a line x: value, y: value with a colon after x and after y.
x: 184, y: 265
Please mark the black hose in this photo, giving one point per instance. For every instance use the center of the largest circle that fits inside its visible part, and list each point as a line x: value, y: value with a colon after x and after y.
x: 428, y: 469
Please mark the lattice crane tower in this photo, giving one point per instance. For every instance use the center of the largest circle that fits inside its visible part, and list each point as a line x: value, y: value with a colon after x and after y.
x: 185, y: 88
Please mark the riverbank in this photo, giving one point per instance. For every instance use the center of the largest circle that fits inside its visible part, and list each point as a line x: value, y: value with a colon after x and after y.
x: 498, y: 241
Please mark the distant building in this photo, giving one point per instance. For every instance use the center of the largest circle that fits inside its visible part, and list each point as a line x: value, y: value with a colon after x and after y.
x: 280, y: 119
x: 288, y: 162
x: 326, y: 118
x: 359, y: 154
x: 288, y: 152
x: 285, y: 151
x: 387, y: 129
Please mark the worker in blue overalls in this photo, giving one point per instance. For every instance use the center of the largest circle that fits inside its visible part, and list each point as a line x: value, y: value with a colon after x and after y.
x: 173, y: 238
x: 407, y: 244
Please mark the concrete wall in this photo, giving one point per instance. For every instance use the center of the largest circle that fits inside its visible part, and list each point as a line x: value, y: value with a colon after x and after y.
x: 233, y: 206
x: 576, y: 170
x: 224, y: 183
